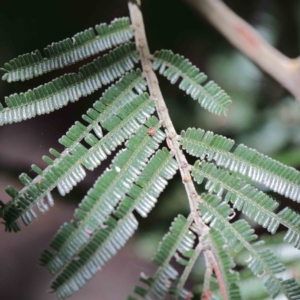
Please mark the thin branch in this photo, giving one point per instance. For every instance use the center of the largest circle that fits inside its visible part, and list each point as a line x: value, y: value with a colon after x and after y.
x: 156, y: 95
x: 163, y: 114
x: 243, y: 36
x: 188, y: 268
x: 206, y: 293
x: 214, y: 263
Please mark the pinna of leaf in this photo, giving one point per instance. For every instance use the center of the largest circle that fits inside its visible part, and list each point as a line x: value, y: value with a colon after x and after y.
x: 124, y: 118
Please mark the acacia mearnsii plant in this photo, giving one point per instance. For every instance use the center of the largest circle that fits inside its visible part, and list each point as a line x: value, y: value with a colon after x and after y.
x: 132, y: 114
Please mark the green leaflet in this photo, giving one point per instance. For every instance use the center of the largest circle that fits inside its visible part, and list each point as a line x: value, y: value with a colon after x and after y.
x: 102, y: 243
x: 210, y: 96
x: 68, y: 51
x: 152, y: 181
x: 118, y: 95
x: 121, y: 126
x: 70, y: 87
x: 177, y: 290
x: 226, y: 264
x: 110, y: 104
x: 238, y: 235
x: 252, y: 202
x: 105, y: 220
x: 178, y: 239
x: 260, y: 168
x: 292, y: 220
x: 101, y: 199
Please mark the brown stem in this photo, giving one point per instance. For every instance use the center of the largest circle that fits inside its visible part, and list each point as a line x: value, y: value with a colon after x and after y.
x: 206, y: 293
x: 243, y: 36
x: 214, y: 263
x: 162, y: 111
x: 163, y: 114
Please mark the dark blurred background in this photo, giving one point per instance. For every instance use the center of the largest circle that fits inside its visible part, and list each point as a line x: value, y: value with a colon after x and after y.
x: 263, y: 116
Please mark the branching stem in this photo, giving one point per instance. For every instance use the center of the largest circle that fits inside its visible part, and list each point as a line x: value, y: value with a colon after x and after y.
x: 244, y: 37
x: 163, y: 114
x: 162, y: 111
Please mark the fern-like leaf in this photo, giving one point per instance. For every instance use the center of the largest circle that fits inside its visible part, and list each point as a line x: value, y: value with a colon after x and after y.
x: 260, y: 168
x: 238, y: 235
x: 100, y: 200
x: 252, y: 202
x: 210, y: 96
x: 68, y: 51
x: 102, y: 247
x: 178, y: 239
x: 226, y: 264
x: 177, y: 289
x: 68, y: 167
x: 152, y: 181
x: 70, y: 87
x: 99, y: 247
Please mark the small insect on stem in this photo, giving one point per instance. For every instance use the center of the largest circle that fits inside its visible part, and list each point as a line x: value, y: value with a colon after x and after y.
x: 151, y: 131
x: 187, y: 178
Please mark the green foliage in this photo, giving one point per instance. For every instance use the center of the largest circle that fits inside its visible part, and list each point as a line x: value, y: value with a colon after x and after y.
x: 69, y: 51
x: 177, y: 241
x: 191, y: 257
x: 121, y: 124
x: 252, y: 202
x: 83, y: 247
x: 238, y: 235
x: 260, y: 168
x: 70, y: 87
x: 67, y: 168
x: 101, y: 199
x: 210, y: 96
x: 103, y: 245
x: 231, y: 278
x: 152, y: 181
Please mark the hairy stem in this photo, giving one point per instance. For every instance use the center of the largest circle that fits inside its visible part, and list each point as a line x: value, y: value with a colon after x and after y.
x: 244, y: 37
x: 162, y: 111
